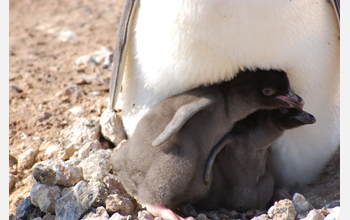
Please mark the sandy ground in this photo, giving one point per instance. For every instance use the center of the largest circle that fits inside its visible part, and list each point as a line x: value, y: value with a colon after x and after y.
x: 46, y: 37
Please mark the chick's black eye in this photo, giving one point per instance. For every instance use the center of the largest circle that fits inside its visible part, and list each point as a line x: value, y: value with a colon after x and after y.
x: 268, y: 91
x: 284, y: 110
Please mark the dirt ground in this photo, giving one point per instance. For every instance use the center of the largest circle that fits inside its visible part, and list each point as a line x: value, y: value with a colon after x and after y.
x: 46, y: 37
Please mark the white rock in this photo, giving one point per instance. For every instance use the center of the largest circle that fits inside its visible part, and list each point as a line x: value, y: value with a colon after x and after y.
x: 118, y: 216
x: 283, y: 209
x: 44, y: 197
x: 89, y: 148
x: 51, y: 152
x: 100, y: 214
x: 112, y: 126
x: 118, y: 203
x: 334, y: 214
x: 314, y: 215
x: 144, y: 215
x: 26, y: 160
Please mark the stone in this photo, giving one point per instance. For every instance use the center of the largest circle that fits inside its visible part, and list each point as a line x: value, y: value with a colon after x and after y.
x: 144, y: 215
x: 261, y: 217
x: 76, y: 201
x: 26, y: 210
x: 49, y: 217
x: 26, y: 160
x: 45, y: 196
x: 302, y: 206
x: 38, y: 218
x: 12, y: 180
x: 99, y: 214
x: 113, y: 185
x: 57, y: 173
x: 118, y: 203
x: 201, y: 216
x: 314, y: 215
x: 88, y: 149
x: 73, y: 93
x: 118, y: 216
x: 97, y: 166
x: 283, y: 209
x: 334, y: 214
x: 73, y: 138
x: 51, y: 152
x: 112, y: 126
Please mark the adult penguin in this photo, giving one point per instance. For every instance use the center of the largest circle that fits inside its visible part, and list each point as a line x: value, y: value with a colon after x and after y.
x: 168, y: 47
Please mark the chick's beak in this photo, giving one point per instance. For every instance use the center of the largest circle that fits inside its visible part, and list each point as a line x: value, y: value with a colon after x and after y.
x: 306, y: 118
x: 292, y: 99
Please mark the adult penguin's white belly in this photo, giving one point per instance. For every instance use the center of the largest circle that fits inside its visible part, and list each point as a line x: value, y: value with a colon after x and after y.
x: 176, y: 45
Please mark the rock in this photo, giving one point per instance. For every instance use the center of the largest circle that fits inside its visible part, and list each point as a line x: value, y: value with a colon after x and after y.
x: 73, y: 161
x: 158, y: 218
x: 57, y: 173
x: 97, y: 57
x: 112, y: 126
x: 113, y: 185
x: 45, y: 196
x: 118, y: 203
x: 51, y: 152
x: 49, y: 217
x: 12, y: 180
x: 283, y: 209
x: 302, y: 206
x: 201, y: 216
x: 43, y: 116
x: 72, y: 93
x: 76, y: 201
x: 333, y: 204
x: 89, y: 148
x: 75, y: 137
x: 38, y: 218
x: 97, y: 166
x: 261, y: 217
x: 26, y: 210
x: 118, y: 216
x: 144, y: 215
x: 26, y: 160
x: 334, y: 214
x: 314, y: 215
x: 99, y: 214
x: 12, y: 217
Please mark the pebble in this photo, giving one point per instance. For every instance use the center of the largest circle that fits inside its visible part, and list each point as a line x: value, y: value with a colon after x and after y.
x: 261, y: 217
x: 74, y: 137
x: 72, y: 93
x: 118, y: 216
x: 49, y: 217
x: 201, y: 216
x: 51, y: 172
x: 26, y: 210
x: 144, y: 215
x: 314, y: 215
x: 99, y: 214
x: 45, y: 196
x: 97, y: 166
x: 112, y: 126
x: 97, y: 57
x: 76, y: 201
x: 283, y: 209
x: 302, y: 206
x: 12, y: 180
x: 118, y: 203
x: 334, y: 214
x: 51, y: 152
x: 88, y: 149
x: 26, y: 160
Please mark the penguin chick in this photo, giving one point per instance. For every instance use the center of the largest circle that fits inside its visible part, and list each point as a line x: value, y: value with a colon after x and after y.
x: 160, y: 163
x: 241, y: 165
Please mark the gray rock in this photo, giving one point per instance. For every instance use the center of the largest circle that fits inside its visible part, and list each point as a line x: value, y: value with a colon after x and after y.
x: 144, y: 215
x: 76, y: 201
x: 38, y: 218
x: 26, y: 210
x: 26, y: 160
x: 88, y: 149
x: 333, y: 204
x: 112, y: 126
x: 119, y: 203
x: 49, y: 217
x: 118, y: 216
x: 97, y: 166
x: 201, y: 216
x: 334, y: 214
x: 12, y: 180
x: 314, y: 215
x: 283, y: 209
x: 113, y: 184
x: 57, y: 173
x: 261, y: 217
x: 73, y: 138
x: 74, y: 161
x: 45, y: 196
x: 302, y: 206
x: 99, y: 214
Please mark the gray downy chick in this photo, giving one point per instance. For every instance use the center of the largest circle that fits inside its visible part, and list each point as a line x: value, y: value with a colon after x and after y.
x: 162, y: 163
x: 240, y: 166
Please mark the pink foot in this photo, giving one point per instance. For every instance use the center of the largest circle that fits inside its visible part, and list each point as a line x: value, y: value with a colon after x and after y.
x: 162, y: 211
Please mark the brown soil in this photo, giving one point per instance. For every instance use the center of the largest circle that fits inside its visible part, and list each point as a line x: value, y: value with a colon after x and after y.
x: 45, y: 39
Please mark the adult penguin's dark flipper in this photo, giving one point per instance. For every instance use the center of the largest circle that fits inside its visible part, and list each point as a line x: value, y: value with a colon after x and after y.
x: 120, y: 50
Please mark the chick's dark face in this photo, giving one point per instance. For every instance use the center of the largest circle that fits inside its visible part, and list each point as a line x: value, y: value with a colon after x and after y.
x: 268, y: 88
x: 288, y: 118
